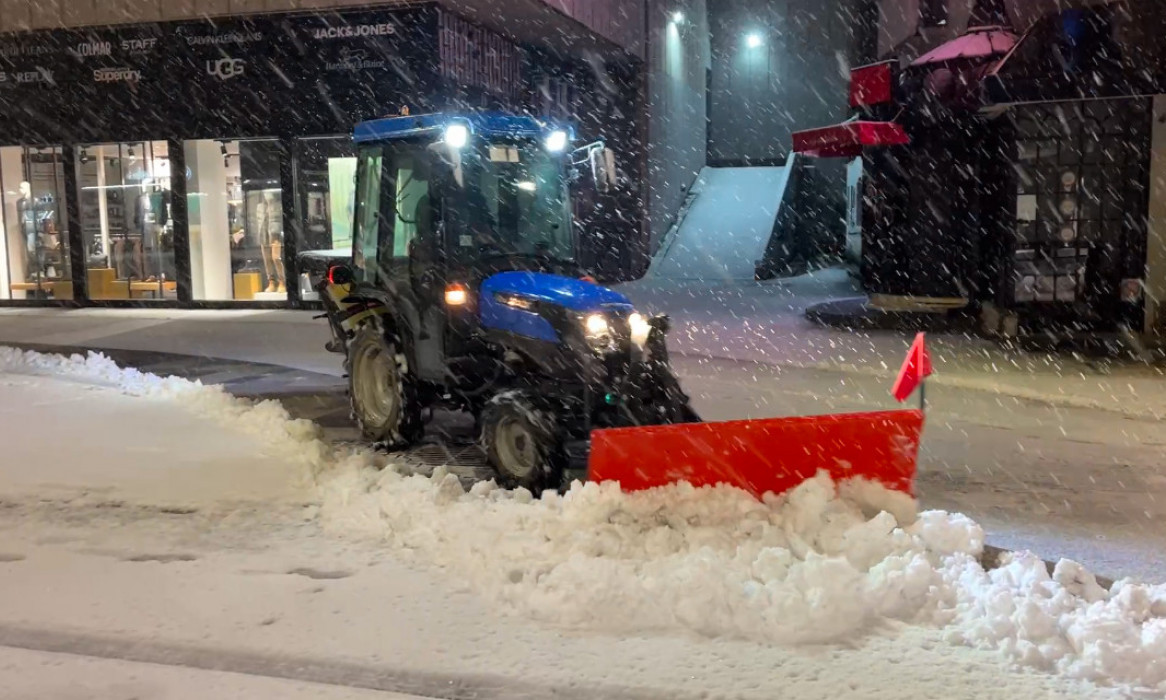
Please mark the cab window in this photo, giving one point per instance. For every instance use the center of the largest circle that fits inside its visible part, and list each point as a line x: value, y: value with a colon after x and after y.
x: 368, y: 214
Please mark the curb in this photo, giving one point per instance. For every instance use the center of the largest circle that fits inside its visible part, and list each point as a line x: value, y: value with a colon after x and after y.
x: 993, y: 558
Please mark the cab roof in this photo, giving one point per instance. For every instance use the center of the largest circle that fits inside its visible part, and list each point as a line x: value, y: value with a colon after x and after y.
x: 488, y: 124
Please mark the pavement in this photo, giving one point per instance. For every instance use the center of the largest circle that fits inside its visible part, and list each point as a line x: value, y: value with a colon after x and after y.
x: 1053, y: 453
x: 764, y: 322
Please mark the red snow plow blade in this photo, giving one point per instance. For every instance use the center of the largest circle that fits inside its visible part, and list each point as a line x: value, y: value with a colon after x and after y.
x: 759, y: 456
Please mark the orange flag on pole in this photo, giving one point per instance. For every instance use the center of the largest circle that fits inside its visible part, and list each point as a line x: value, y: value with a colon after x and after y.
x: 916, y: 368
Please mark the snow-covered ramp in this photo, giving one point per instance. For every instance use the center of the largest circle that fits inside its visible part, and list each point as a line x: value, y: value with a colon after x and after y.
x: 725, y: 230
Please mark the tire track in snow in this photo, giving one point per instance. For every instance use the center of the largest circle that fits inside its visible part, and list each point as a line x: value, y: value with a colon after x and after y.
x: 446, y: 686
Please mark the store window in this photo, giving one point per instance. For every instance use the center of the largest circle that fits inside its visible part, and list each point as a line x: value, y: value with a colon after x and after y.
x: 326, y: 179
x: 125, y: 220
x: 236, y: 220
x: 34, y: 258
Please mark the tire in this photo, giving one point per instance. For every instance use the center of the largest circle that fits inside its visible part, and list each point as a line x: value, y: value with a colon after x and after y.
x: 521, y: 442
x: 381, y: 391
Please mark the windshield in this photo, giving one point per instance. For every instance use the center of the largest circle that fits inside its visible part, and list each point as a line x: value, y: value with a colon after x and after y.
x: 511, y: 198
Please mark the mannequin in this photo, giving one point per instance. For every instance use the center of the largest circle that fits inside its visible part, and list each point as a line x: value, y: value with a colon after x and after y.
x: 269, y: 216
x: 26, y: 214
x: 152, y: 216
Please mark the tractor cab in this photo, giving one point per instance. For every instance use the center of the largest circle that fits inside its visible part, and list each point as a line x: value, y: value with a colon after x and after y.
x: 464, y: 291
x: 466, y: 195
x: 446, y: 201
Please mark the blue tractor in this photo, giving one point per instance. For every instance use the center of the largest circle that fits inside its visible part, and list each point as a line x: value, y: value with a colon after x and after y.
x: 464, y: 292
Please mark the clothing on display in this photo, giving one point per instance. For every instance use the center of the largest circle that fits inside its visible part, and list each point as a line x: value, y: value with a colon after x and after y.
x: 41, y: 240
x: 269, y: 225
x: 153, y: 225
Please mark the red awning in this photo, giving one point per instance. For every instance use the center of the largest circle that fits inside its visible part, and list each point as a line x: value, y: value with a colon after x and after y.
x: 847, y: 140
x: 979, y: 42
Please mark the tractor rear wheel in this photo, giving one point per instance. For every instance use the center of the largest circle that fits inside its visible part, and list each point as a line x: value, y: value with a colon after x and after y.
x: 522, y: 444
x: 382, y: 392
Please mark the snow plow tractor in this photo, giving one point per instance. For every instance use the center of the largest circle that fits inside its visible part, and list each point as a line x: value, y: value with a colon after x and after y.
x: 463, y: 293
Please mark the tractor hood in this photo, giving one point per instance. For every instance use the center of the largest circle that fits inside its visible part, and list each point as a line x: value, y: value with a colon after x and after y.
x: 542, y: 289
x: 569, y: 293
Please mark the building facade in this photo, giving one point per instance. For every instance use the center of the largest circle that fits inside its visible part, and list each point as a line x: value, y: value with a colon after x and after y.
x: 1029, y: 187
x: 191, y: 161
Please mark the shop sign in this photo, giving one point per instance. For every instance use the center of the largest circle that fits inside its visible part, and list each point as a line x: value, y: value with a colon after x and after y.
x: 10, y: 51
x: 226, y: 68
x: 354, y: 31
x: 353, y: 60
x: 40, y: 75
x: 234, y: 37
x: 91, y: 49
x: 138, y: 45
x: 117, y: 75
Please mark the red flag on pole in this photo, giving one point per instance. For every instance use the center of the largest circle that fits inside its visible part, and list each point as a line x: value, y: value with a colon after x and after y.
x: 916, y: 368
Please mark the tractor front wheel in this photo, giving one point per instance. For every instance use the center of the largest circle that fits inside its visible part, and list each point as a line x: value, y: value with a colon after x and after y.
x: 521, y: 442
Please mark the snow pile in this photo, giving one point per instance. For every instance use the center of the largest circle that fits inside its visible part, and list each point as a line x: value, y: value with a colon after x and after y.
x: 811, y: 567
x: 807, y: 567
x: 294, y: 440
x: 824, y: 563
x: 1064, y: 622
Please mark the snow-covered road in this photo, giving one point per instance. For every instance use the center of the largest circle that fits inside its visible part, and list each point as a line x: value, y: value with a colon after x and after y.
x: 371, y: 579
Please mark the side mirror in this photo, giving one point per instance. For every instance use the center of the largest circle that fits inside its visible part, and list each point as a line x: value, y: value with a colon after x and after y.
x: 603, y: 169
x: 340, y: 274
x: 599, y: 162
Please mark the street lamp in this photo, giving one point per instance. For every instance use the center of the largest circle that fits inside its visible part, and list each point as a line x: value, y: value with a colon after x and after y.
x: 677, y: 17
x: 754, y: 40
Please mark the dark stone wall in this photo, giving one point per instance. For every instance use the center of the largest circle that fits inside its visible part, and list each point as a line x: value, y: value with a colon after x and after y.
x: 796, y: 78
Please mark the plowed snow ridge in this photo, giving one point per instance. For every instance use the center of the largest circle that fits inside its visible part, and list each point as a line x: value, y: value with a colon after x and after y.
x: 821, y: 565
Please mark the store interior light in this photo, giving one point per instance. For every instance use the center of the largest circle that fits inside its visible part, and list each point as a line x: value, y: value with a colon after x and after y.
x: 457, y: 135
x: 754, y: 40
x: 557, y: 141
x: 527, y: 186
x: 677, y: 17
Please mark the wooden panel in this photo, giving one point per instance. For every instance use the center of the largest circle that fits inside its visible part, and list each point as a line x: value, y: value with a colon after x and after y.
x: 184, y: 9
x: 285, y: 5
x: 125, y: 11
x: 15, y: 15
x: 78, y: 13
x: 45, y: 13
x: 240, y: 6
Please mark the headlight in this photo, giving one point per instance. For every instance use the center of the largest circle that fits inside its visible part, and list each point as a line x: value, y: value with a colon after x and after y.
x: 597, y: 327
x: 557, y: 141
x: 640, y: 329
x: 456, y: 135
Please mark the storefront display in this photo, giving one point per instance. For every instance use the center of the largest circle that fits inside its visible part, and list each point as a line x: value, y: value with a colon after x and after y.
x: 236, y: 217
x: 126, y: 223
x: 35, y: 257
x: 262, y: 250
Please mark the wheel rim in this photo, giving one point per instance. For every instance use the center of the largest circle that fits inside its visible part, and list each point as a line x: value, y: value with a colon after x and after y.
x: 516, y: 447
x: 375, y: 386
